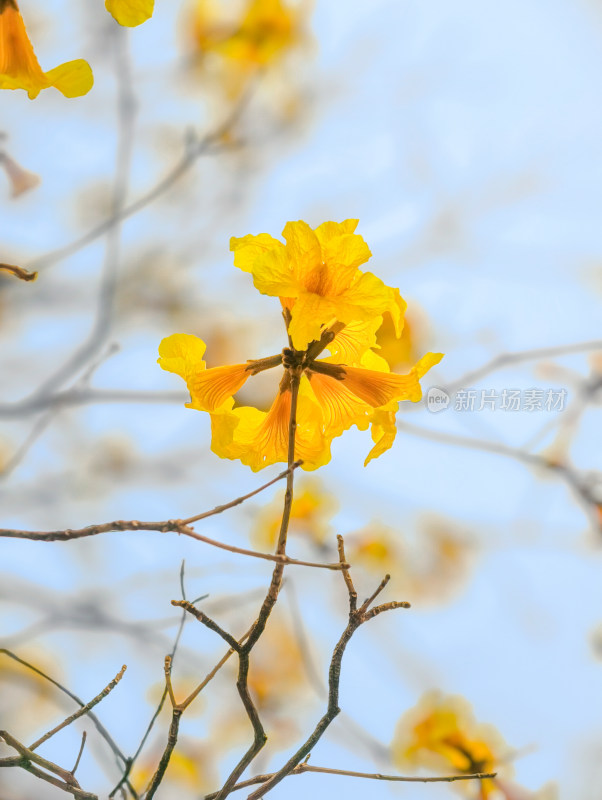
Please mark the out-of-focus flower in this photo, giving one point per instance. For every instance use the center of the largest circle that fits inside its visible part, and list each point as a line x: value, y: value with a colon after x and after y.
x: 442, y: 735
x: 19, y: 67
x: 328, y: 304
x: 191, y: 769
x: 427, y: 569
x: 130, y: 12
x: 311, y: 511
x: 232, y: 42
x: 21, y: 180
x: 257, y: 35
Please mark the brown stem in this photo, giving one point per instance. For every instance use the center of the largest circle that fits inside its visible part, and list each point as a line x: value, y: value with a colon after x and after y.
x: 356, y: 618
x: 172, y: 738
x: 375, y: 776
x: 19, y: 272
x: 259, y: 737
x: 81, y: 711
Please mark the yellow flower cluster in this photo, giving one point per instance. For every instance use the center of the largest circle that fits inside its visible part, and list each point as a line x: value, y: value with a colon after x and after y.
x: 329, y: 304
x: 257, y: 36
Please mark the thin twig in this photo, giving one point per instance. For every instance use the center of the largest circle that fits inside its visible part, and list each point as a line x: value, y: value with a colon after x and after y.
x: 518, y: 356
x: 131, y: 761
x: 99, y: 726
x: 356, y: 618
x: 375, y: 776
x: 81, y: 711
x: 30, y: 761
x: 193, y: 152
x: 19, y: 272
x: 208, y: 622
x: 126, y: 113
x: 79, y: 755
x: 347, y: 575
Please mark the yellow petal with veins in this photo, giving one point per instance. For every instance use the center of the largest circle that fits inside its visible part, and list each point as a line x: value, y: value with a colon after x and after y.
x: 210, y: 388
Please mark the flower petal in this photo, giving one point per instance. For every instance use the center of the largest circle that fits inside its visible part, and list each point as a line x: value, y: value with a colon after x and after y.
x: 328, y: 230
x: 72, y: 79
x: 309, y: 314
x: 19, y: 67
x: 182, y: 353
x: 259, y: 439
x: 380, y: 388
x: 304, y: 253
x: 340, y: 407
x: 130, y: 13
x: 383, y: 431
x: 248, y: 250
x: 209, y: 388
x: 266, y: 259
x: 350, y: 344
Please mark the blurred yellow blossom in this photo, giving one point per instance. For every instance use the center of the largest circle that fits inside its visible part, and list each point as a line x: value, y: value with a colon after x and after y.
x: 130, y: 12
x: 191, y: 769
x: 19, y: 67
x: 442, y: 735
x: 328, y: 304
x: 428, y: 567
x: 311, y: 511
x: 256, y: 33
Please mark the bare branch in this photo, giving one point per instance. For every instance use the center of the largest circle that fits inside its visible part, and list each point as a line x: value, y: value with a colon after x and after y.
x: 356, y: 618
x: 99, y: 726
x: 19, y: 272
x: 208, y: 622
x: 81, y: 711
x: 293, y: 375
x: 79, y: 755
x: 375, y: 776
x: 347, y: 575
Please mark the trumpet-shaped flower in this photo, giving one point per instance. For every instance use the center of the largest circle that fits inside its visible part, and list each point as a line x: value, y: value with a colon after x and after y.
x: 327, y: 298
x: 316, y: 274
x: 19, y: 67
x: 130, y: 13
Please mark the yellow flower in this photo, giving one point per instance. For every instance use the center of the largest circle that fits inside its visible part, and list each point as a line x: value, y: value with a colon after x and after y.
x: 332, y: 397
x: 328, y: 304
x: 441, y: 734
x: 317, y: 274
x: 130, y: 12
x: 191, y: 769
x: 19, y: 67
x: 311, y: 510
x: 255, y: 37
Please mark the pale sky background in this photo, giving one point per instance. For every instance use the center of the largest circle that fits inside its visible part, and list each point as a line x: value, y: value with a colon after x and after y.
x: 466, y: 137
